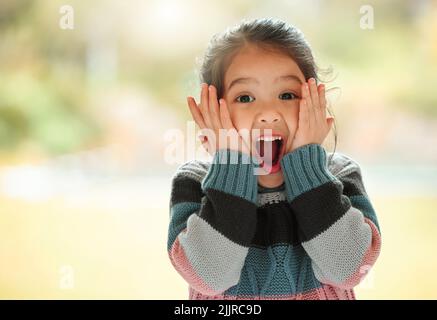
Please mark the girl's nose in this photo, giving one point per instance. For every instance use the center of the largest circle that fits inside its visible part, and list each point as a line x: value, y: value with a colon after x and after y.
x: 269, y: 117
x: 268, y: 120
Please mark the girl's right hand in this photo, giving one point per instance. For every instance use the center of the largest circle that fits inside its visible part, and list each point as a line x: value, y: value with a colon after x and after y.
x: 212, y: 116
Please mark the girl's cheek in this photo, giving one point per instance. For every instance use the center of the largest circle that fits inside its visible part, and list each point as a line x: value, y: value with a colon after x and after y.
x: 233, y: 113
x: 292, y: 119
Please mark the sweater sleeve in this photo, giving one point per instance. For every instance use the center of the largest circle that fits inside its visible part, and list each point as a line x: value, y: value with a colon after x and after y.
x: 212, y: 221
x: 338, y: 225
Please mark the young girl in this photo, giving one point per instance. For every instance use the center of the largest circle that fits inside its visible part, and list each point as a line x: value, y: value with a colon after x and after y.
x: 305, y: 230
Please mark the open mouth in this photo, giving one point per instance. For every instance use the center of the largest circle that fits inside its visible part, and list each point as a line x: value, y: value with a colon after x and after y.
x: 270, y: 150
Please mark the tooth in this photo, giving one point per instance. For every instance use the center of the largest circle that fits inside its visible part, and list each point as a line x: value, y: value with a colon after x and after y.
x: 269, y: 138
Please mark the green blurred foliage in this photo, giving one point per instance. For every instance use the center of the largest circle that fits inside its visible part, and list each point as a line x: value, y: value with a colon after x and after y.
x: 42, y: 112
x: 42, y: 96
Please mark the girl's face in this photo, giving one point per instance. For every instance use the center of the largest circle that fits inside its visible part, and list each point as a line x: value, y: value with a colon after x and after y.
x: 262, y: 90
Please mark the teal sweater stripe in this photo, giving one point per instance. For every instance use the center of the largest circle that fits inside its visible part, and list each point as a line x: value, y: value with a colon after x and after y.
x: 305, y: 168
x: 179, y: 215
x: 228, y: 169
x: 277, y: 270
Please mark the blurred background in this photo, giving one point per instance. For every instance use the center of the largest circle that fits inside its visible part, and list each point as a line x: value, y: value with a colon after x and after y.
x: 84, y: 113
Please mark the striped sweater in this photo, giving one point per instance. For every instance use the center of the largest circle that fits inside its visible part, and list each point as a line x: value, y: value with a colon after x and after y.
x: 315, y: 237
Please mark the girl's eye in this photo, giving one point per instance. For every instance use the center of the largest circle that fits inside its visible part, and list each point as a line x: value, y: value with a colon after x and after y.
x: 245, y: 98
x: 288, y: 96
x: 285, y: 96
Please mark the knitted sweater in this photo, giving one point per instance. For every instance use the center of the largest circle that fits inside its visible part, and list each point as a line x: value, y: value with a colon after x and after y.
x: 315, y: 237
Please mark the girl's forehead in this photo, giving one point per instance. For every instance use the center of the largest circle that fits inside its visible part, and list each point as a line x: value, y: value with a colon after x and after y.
x: 261, y: 64
x: 255, y: 54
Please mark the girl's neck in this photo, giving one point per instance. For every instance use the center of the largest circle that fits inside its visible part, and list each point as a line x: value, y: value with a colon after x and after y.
x: 271, y: 180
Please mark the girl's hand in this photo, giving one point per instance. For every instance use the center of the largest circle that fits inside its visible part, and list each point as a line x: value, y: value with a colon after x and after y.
x: 313, y: 125
x: 213, y: 118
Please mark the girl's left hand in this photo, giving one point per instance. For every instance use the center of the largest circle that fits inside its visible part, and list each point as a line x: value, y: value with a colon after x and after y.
x: 313, y: 125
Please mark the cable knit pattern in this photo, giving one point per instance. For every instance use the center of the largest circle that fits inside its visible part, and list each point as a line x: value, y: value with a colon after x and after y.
x: 314, y: 237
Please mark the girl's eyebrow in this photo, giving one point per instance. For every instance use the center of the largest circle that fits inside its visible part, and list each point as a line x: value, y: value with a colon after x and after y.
x: 249, y: 79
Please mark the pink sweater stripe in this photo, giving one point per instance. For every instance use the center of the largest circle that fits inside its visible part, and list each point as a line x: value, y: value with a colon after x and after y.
x: 326, y: 292
x: 181, y: 263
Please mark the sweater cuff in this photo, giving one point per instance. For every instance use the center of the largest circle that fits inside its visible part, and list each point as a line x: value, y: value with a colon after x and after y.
x: 232, y: 172
x: 305, y: 168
